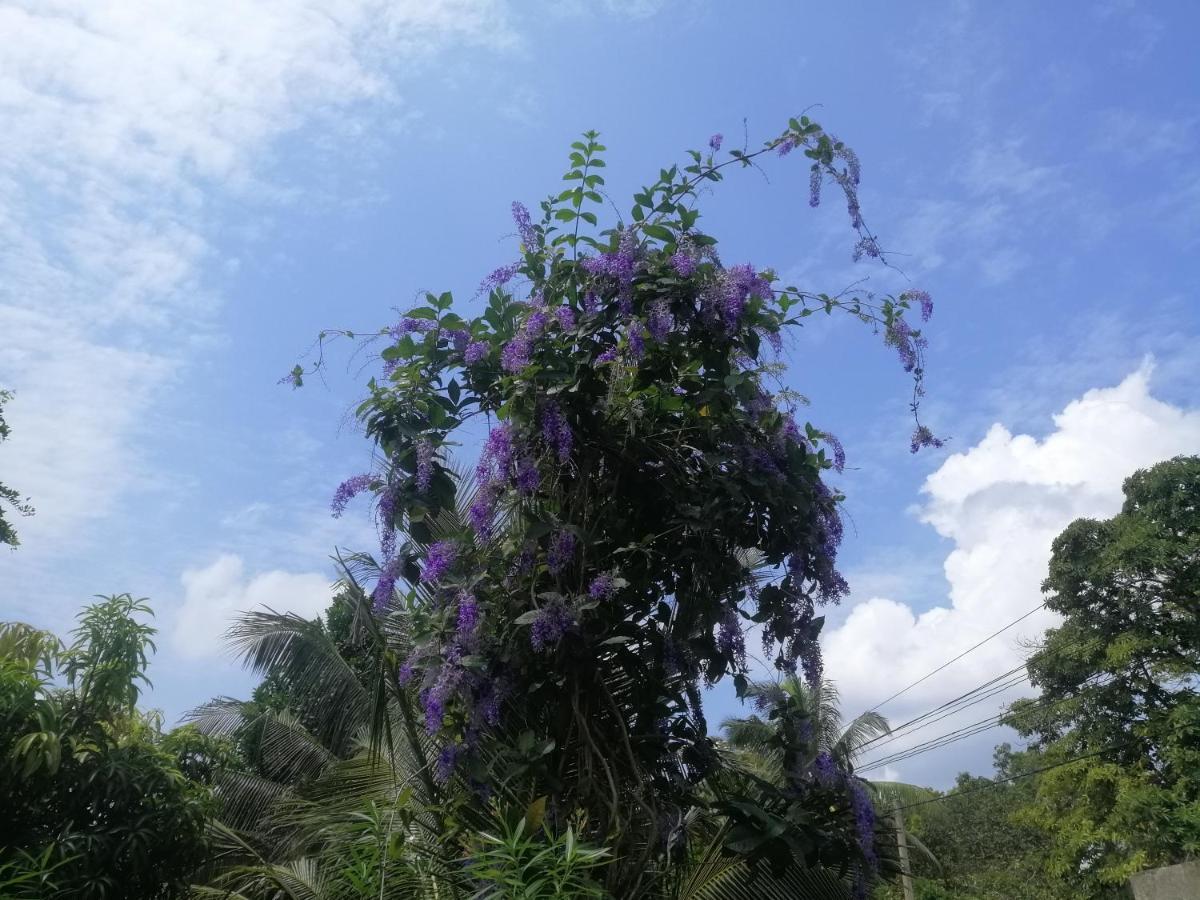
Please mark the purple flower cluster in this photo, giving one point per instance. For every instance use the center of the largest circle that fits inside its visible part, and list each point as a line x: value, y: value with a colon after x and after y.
x: 347, y: 491
x: 923, y: 299
x: 439, y: 559
x: 730, y: 639
x: 458, y: 337
x: 825, y: 770
x: 867, y: 246
x: 864, y: 821
x: 555, y: 430
x: 529, y: 235
x: 839, y: 452
x: 923, y: 437
x: 684, y: 262
x: 619, y: 266
x: 385, y: 586
x: 609, y: 355
x: 814, y: 186
x: 603, y: 586
x: 738, y: 284
x: 424, y: 463
x: 908, y: 343
x: 637, y: 341
x: 468, y: 617
x: 813, y: 663
x: 591, y: 303
x: 786, y: 146
x: 476, y: 352
x: 447, y: 762
x: 499, y: 277
x: 497, y: 454
x: 714, y: 142
x: 516, y: 353
x: 660, y: 320
x: 552, y: 622
x: 385, y: 514
x: 538, y: 319
x: 410, y: 325
x: 565, y: 317
x: 561, y: 553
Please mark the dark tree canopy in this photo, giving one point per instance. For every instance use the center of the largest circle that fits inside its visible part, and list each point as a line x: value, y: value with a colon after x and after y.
x: 9, y: 496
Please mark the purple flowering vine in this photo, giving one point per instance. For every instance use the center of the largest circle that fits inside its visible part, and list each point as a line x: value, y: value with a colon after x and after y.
x: 552, y: 622
x: 347, y: 491
x: 439, y: 560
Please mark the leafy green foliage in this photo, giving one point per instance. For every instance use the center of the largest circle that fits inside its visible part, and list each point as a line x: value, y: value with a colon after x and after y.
x: 96, y: 805
x: 1121, y: 674
x: 516, y: 864
x: 9, y: 496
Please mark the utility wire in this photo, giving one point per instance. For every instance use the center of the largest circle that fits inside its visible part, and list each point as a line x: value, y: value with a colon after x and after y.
x: 993, y: 784
x: 970, y: 649
x: 965, y: 731
x: 976, y: 695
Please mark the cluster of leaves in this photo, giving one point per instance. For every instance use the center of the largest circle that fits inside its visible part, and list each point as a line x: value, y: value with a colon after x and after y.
x: 97, y: 802
x: 642, y: 498
x: 9, y: 496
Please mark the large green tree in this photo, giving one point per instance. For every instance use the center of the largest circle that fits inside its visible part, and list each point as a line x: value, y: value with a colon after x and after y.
x: 95, y: 805
x: 1119, y: 687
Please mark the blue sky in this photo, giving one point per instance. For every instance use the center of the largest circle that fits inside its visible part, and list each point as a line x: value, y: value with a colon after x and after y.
x: 191, y: 195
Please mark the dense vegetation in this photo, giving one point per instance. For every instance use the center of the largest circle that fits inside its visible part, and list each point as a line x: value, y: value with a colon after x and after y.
x: 506, y: 699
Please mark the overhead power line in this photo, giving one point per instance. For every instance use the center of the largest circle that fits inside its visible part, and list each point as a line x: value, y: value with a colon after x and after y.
x: 970, y: 649
x: 964, y: 732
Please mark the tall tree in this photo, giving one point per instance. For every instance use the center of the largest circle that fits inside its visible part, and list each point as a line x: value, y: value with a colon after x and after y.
x: 95, y: 806
x: 1119, y: 686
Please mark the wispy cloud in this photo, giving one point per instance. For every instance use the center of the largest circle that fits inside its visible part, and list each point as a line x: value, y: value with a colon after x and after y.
x: 137, y: 120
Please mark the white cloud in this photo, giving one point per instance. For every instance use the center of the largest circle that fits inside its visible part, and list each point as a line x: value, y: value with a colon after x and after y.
x: 1001, y: 503
x: 137, y: 118
x: 213, y: 595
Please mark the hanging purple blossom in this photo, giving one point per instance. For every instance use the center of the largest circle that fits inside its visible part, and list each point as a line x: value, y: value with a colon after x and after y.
x: 385, y: 587
x: 497, y: 455
x: 561, y: 553
x: 923, y: 437
x: 556, y: 432
x: 908, y: 343
x: 405, y: 673
x: 447, y: 762
x: 482, y: 512
x: 603, y: 586
x: 730, y: 639
x: 814, y: 187
x: 637, y: 342
x: 864, y: 821
x: 813, y: 664
x: 867, y: 246
x: 619, y: 266
x: 660, y: 320
x: 424, y: 463
x: 786, y: 146
x: 439, y: 559
x: 529, y: 235
x: 476, y: 352
x: 499, y: 277
x: 552, y: 622
x: 839, y: 452
x: 714, y: 142
x: 738, y: 284
x: 468, y: 616
x: 825, y: 770
x: 923, y: 299
x: 347, y: 491
x: 609, y: 355
x: 516, y: 353
x: 386, y: 516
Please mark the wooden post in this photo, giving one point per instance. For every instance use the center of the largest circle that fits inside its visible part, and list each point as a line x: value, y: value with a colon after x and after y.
x: 902, y: 843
